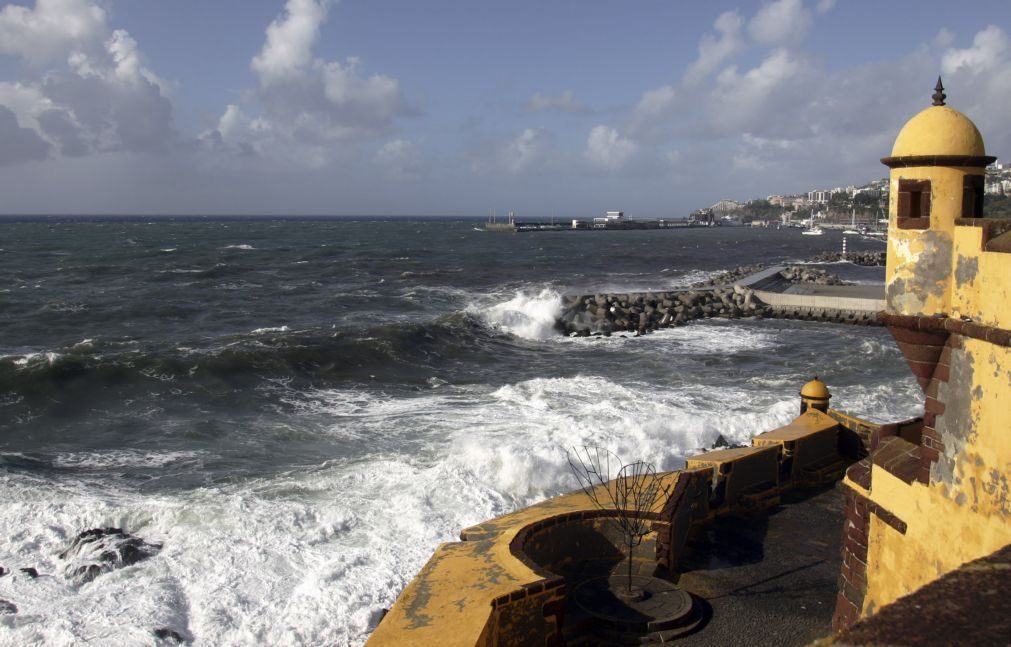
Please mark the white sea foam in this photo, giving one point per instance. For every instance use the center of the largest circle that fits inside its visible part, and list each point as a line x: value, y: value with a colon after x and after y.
x: 525, y: 315
x: 32, y: 358
x: 716, y: 336
x: 243, y: 247
x: 120, y: 458
x: 312, y: 556
x: 260, y: 331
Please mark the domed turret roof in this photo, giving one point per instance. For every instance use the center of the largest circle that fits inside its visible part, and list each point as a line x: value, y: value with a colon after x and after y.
x: 939, y: 130
x: 815, y: 389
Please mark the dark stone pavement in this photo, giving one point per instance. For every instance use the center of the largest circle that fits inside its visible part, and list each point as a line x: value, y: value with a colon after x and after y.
x: 768, y: 579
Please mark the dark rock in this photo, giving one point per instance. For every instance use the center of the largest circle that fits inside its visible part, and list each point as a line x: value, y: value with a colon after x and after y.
x: 30, y: 572
x: 101, y: 550
x: 164, y: 633
x: 722, y: 443
x: 7, y: 608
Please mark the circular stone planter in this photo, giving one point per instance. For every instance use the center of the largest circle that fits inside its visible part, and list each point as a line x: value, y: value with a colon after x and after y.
x: 654, y: 605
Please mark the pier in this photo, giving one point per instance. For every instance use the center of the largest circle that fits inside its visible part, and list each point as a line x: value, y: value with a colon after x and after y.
x: 612, y: 221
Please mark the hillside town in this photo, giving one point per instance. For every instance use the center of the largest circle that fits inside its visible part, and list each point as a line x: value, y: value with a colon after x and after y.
x: 863, y: 206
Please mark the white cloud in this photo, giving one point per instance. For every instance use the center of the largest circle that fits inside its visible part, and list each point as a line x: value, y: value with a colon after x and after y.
x: 753, y: 101
x: 944, y: 38
x: 524, y: 151
x: 713, y: 51
x: 19, y: 144
x: 86, y: 88
x: 26, y: 101
x: 825, y: 6
x: 564, y: 102
x: 978, y: 83
x: 401, y: 158
x: 375, y: 99
x: 780, y: 22
x: 287, y: 50
x: 653, y: 112
x: 50, y: 31
x: 654, y: 102
x: 607, y: 148
x: 988, y: 50
x: 308, y: 111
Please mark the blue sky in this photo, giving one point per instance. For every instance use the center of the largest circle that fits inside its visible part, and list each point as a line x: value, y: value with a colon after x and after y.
x: 549, y: 108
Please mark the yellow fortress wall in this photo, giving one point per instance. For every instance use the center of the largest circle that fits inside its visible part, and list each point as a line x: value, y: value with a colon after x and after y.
x: 923, y: 504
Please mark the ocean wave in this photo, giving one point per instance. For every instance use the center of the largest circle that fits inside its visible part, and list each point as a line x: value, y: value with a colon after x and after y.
x: 525, y: 315
x: 398, y: 352
x: 242, y: 247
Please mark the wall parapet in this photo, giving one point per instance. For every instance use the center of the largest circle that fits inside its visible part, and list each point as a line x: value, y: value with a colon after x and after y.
x: 501, y: 584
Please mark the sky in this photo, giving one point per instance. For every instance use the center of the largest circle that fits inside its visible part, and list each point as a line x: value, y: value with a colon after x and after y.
x: 560, y: 108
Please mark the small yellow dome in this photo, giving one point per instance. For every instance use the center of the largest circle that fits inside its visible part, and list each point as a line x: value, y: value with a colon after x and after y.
x: 815, y: 390
x: 939, y: 130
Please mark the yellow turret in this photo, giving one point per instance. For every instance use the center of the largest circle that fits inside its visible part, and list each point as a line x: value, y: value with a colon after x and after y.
x: 934, y: 495
x: 936, y: 176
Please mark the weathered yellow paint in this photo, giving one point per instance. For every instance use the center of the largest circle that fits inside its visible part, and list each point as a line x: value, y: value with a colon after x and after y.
x: 920, y: 265
x: 938, y: 130
x: 941, y: 535
x: 964, y: 511
x: 982, y: 289
x: 724, y: 456
x: 807, y: 424
x: 449, y: 603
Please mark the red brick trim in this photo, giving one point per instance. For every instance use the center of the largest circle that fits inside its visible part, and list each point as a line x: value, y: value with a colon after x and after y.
x: 853, y: 573
x: 906, y: 328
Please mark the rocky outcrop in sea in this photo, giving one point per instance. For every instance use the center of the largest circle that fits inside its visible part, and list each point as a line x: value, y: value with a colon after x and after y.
x: 100, y: 550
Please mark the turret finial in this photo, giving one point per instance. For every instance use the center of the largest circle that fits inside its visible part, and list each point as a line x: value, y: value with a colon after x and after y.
x: 939, y: 94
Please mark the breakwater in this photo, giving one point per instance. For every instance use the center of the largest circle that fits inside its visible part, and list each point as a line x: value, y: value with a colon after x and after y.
x: 870, y: 259
x: 736, y: 295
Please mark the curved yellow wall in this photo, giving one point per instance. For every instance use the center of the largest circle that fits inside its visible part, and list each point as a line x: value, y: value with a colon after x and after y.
x: 919, y: 271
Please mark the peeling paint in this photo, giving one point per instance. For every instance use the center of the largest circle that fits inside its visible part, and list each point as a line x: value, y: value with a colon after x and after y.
x: 966, y: 270
x: 919, y: 282
x: 955, y: 424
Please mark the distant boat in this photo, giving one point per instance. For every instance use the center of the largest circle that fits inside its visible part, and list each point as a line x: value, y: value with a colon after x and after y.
x: 813, y: 231
x: 851, y: 232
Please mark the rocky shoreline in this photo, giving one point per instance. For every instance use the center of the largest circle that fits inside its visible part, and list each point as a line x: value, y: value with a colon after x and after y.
x: 639, y: 313
x: 91, y: 554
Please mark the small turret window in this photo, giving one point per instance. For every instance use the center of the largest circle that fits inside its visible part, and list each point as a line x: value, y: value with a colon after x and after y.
x: 914, y: 204
x: 972, y: 196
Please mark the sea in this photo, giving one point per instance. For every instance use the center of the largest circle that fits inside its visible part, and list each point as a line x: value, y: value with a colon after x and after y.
x: 299, y: 411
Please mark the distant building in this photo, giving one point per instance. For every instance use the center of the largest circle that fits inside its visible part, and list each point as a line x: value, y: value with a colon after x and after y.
x: 725, y: 206
x: 615, y: 215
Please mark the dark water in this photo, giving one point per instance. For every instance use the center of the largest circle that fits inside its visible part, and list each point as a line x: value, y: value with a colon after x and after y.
x: 291, y: 378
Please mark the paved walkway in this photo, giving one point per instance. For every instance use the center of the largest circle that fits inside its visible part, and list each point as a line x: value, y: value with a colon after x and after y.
x: 770, y: 579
